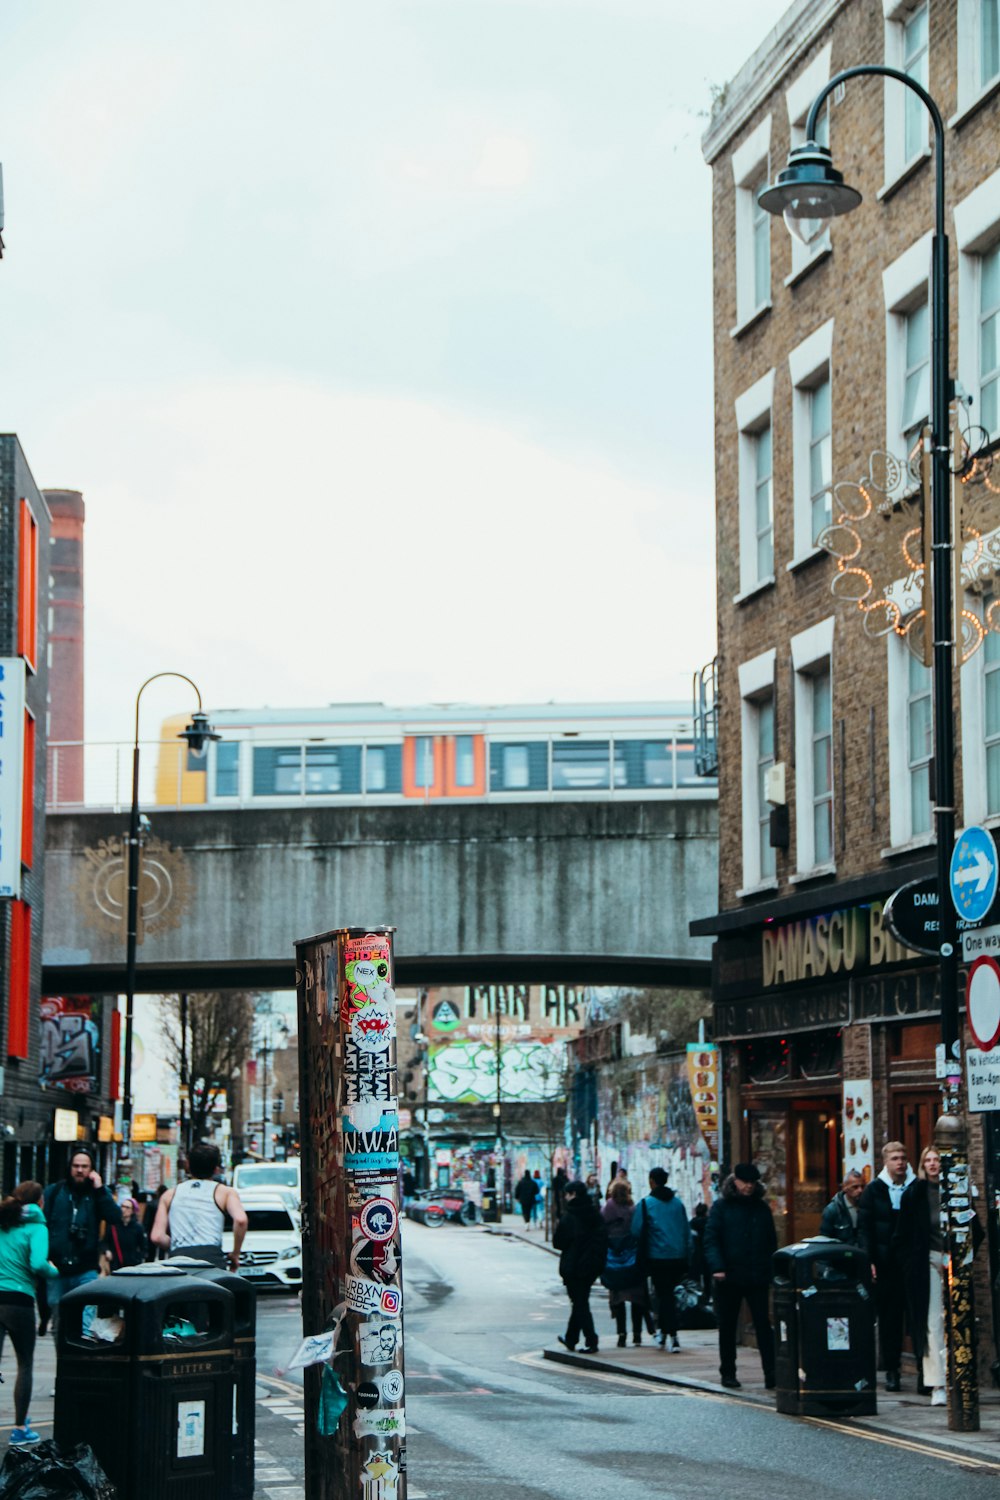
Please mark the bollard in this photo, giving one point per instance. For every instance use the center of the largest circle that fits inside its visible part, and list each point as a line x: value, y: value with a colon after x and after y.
x: 351, y: 1251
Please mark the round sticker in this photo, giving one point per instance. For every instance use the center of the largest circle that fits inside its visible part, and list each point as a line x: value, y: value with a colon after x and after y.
x: 373, y: 1027
x: 377, y: 1220
x: 367, y: 1394
x: 392, y: 1387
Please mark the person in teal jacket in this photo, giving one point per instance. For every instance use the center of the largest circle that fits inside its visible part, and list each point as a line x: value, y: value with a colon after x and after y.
x: 24, y: 1256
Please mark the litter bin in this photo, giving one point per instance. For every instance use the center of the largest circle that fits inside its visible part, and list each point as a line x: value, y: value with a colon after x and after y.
x: 491, y: 1206
x: 244, y: 1364
x: 824, y: 1362
x: 150, y: 1384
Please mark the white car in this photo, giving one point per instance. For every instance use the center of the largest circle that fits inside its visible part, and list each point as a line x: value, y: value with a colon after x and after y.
x: 271, y: 1254
x: 268, y: 1174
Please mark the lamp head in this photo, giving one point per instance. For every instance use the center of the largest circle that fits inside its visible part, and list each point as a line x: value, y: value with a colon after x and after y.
x: 809, y: 193
x: 198, y: 733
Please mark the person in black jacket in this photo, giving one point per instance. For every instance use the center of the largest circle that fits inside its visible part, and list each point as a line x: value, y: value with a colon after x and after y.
x: 125, y: 1243
x: 75, y: 1209
x: 740, y: 1240
x: 840, y: 1216
x: 878, y: 1222
x: 526, y: 1192
x: 582, y: 1239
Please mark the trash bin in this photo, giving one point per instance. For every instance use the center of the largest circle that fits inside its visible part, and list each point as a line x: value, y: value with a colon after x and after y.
x: 824, y: 1313
x: 244, y: 1364
x: 150, y: 1385
x: 491, y: 1206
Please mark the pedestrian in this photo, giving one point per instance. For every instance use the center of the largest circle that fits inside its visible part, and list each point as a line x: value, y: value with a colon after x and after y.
x: 526, y: 1192
x: 593, y: 1186
x: 660, y: 1224
x: 618, y: 1174
x: 538, y: 1207
x: 699, y: 1270
x: 623, y: 1275
x: 559, y: 1182
x: 153, y: 1252
x: 125, y: 1243
x: 191, y: 1217
x: 75, y: 1210
x: 878, y: 1226
x: 24, y: 1260
x: 581, y: 1238
x: 922, y: 1246
x: 740, y: 1241
x: 840, y: 1216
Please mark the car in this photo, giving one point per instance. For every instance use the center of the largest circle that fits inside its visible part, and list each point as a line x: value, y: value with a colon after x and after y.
x: 268, y: 1174
x: 271, y: 1254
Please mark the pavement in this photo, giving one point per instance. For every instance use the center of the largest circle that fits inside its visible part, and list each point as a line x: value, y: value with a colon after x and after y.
x: 902, y: 1418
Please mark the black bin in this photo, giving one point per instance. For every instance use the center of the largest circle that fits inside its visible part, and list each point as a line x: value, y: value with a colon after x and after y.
x: 824, y: 1315
x: 491, y: 1206
x: 244, y: 1295
x: 149, y: 1383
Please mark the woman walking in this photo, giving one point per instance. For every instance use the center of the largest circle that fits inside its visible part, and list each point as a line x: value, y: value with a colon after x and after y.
x: 623, y: 1275
x: 125, y: 1243
x: 581, y: 1237
x: 24, y: 1255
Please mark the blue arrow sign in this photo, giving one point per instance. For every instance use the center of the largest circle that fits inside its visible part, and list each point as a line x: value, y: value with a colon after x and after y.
x: 973, y: 877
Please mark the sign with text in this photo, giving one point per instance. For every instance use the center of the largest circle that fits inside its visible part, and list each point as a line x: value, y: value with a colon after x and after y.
x: 705, y: 1079
x: 11, y: 772
x: 911, y: 915
x: 982, y: 1071
x: 980, y: 942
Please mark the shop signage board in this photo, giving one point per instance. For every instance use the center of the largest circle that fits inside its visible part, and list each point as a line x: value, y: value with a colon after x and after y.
x: 911, y: 915
x: 982, y: 1071
x: 973, y: 873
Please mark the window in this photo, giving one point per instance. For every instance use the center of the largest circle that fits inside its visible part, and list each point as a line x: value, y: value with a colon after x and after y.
x: 915, y: 67
x: 820, y: 458
x: 423, y: 761
x: 799, y: 98
x: 916, y: 375
x: 319, y: 770
x: 758, y: 755
x: 918, y: 744
x: 907, y: 347
x: 227, y: 768
x: 991, y: 704
x: 977, y: 232
x: 753, y: 225
x: 375, y: 768
x: 811, y: 656
x: 812, y: 438
x: 989, y: 41
x: 644, y: 763
x: 465, y: 762
x: 822, y: 768
x: 753, y: 419
x: 906, y: 117
x: 519, y: 767
x: 978, y: 27
x: 989, y: 341
x: 580, y: 765
x: 516, y: 776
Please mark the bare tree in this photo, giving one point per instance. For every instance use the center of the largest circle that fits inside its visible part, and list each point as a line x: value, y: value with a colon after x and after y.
x: 219, y: 1040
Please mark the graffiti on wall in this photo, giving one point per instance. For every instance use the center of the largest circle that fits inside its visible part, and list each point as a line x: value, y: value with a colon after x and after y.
x: 465, y: 1072
x: 646, y: 1118
x: 70, y: 1044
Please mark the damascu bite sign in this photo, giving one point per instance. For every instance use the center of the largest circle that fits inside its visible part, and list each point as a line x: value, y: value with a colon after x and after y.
x: 830, y: 944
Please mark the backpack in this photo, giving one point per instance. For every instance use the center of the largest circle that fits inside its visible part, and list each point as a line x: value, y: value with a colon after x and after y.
x: 621, y: 1263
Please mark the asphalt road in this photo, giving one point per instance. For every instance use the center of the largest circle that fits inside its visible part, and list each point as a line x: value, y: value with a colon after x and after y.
x: 487, y: 1421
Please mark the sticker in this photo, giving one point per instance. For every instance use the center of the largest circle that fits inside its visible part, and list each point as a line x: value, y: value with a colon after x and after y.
x: 378, y: 1220
x: 368, y: 1395
x: 190, y: 1429
x: 373, y: 1028
x: 365, y: 1115
x: 838, y: 1334
x: 380, y: 1424
x: 445, y: 1017
x: 367, y: 1075
x: 363, y: 1296
x: 368, y: 1151
x: 379, y: 1262
x: 314, y: 1351
x: 379, y: 1478
x: 391, y: 1302
x: 392, y: 1387
x: 378, y: 1344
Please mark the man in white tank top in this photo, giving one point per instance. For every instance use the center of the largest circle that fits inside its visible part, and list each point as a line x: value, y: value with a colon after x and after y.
x: 192, y: 1216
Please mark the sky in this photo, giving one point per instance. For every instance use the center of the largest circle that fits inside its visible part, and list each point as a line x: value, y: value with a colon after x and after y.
x: 377, y: 337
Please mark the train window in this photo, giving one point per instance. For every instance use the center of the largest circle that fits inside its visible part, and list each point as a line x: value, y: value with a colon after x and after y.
x: 423, y: 760
x: 519, y: 767
x: 375, y: 768
x: 323, y: 772
x: 227, y: 768
x: 516, y: 774
x: 581, y: 766
x: 658, y: 763
x: 329, y: 770
x: 687, y: 774
x: 465, y: 764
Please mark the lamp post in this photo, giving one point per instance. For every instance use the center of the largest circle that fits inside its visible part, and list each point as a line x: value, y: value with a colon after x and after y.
x: 197, y: 735
x: 808, y: 193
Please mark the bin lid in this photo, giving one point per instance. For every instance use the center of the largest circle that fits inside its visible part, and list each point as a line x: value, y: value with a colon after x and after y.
x: 153, y: 1268
x: 820, y: 1259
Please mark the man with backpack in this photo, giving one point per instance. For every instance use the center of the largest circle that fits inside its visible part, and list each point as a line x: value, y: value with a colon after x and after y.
x: 660, y: 1223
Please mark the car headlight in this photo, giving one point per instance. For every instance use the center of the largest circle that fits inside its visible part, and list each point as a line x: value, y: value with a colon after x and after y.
x: 292, y: 1253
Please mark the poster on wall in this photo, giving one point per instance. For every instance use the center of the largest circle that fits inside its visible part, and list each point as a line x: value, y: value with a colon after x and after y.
x: 69, y: 1053
x: 859, y: 1148
x: 11, y: 772
x: 705, y: 1081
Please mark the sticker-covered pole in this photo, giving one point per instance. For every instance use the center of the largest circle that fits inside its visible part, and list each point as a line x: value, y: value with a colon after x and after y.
x: 352, y: 1281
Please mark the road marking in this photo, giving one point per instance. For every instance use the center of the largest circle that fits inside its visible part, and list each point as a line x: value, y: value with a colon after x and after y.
x: 911, y: 1445
x: 638, y: 1383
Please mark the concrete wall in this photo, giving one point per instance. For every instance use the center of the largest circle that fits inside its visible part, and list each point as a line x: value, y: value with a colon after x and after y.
x: 537, y: 879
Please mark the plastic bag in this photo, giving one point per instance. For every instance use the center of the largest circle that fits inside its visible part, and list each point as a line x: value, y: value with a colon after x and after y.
x: 44, y: 1472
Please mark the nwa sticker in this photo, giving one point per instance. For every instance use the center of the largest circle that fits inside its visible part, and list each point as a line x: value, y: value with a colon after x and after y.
x: 381, y: 1424
x: 374, y: 1027
x: 378, y: 1219
x: 375, y: 1150
x: 378, y: 1344
x: 391, y: 1386
x: 378, y: 1262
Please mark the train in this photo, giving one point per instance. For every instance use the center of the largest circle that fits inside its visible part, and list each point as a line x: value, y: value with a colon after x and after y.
x: 373, y: 752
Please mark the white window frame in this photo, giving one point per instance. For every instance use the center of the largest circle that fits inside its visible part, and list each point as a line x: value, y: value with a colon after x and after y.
x: 898, y: 164
x: 751, y: 164
x: 901, y: 835
x: 809, y: 364
x: 753, y: 412
x: 812, y: 654
x: 756, y: 678
x: 975, y: 785
x: 798, y: 97
x: 905, y: 286
x: 972, y: 87
x: 977, y: 229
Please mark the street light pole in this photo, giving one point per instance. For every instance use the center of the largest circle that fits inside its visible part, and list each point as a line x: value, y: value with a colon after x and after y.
x: 197, y: 735
x: 808, y: 193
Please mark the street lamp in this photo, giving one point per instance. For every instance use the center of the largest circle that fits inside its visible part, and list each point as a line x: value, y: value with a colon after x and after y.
x: 197, y: 735
x: 808, y: 193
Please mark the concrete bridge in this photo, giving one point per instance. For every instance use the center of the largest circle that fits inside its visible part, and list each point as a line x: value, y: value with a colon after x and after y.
x: 597, y: 892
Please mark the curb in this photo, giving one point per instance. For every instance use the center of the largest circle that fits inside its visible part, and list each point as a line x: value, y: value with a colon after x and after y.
x: 520, y: 1239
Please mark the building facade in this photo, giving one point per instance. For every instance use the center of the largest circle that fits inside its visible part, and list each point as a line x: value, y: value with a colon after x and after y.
x: 822, y: 357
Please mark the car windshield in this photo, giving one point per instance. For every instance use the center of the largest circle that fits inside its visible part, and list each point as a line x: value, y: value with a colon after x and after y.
x: 269, y: 1220
x: 270, y: 1176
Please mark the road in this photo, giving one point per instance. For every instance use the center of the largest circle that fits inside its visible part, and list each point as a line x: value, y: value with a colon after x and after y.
x: 487, y: 1421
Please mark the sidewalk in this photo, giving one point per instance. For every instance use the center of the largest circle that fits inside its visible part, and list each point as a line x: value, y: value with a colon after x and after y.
x: 905, y: 1417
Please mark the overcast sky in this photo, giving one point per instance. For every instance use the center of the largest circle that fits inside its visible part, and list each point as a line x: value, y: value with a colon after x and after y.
x: 377, y: 336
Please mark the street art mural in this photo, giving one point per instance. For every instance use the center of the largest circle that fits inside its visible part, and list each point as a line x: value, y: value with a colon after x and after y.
x: 69, y: 1051
x: 525, y: 1026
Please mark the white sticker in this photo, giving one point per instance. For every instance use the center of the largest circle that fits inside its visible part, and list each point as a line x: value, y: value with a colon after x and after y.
x: 190, y: 1429
x: 372, y: 1027
x: 380, y: 1423
x: 392, y: 1387
x: 838, y: 1334
x: 379, y: 1478
x: 313, y: 1351
x: 363, y: 1296
x: 378, y: 1343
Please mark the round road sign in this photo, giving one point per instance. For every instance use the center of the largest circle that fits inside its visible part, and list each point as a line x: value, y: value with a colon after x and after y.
x: 982, y: 1002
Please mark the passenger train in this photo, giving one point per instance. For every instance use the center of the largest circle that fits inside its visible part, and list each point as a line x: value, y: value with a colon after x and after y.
x: 371, y: 752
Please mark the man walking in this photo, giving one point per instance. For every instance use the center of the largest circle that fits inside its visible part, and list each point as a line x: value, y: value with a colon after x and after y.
x: 526, y: 1192
x: 75, y: 1210
x: 660, y: 1225
x: 840, y: 1216
x: 191, y: 1216
x: 740, y: 1240
x: 878, y: 1224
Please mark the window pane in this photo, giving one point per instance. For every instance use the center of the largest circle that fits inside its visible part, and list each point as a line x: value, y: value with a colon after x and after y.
x: 819, y: 410
x: 988, y: 405
x: 762, y: 454
x: 993, y: 779
x: 915, y: 64
x: 988, y: 344
x: 992, y: 702
x: 423, y: 761
x: 765, y: 730
x: 375, y: 768
x: 920, y: 729
x: 821, y: 705
x: 581, y: 766
x: 767, y: 864
x: 761, y: 249
x: 288, y: 771
x: 465, y: 769
x: 821, y: 512
x: 227, y: 767
x: 658, y: 761
x: 822, y: 766
x: 822, y: 832
x: 323, y: 770
x: 989, y: 292
x: 920, y: 800
x: 919, y: 676
x: 989, y: 40
x: 515, y: 767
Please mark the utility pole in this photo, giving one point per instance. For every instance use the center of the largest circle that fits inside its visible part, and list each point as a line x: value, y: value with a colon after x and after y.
x: 185, y: 1083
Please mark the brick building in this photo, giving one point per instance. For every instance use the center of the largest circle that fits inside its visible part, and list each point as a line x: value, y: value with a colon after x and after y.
x: 822, y: 360
x: 66, y: 647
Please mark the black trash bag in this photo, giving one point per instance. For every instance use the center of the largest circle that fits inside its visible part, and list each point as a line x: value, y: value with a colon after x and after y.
x: 44, y: 1472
